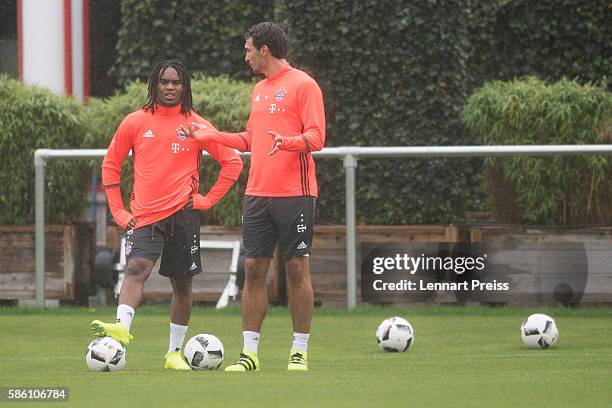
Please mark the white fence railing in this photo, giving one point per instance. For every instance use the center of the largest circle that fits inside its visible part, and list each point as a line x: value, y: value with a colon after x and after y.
x: 349, y: 154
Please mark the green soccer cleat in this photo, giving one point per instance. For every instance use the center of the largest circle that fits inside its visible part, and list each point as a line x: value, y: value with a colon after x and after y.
x: 298, y: 361
x: 248, y: 361
x: 175, y: 361
x: 117, y: 331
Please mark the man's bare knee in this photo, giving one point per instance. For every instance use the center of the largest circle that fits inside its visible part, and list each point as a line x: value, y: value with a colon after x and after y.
x: 256, y: 270
x: 298, y: 270
x: 298, y: 265
x: 138, y: 269
x: 182, y: 286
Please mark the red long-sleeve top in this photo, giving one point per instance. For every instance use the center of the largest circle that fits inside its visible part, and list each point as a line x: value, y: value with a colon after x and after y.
x: 290, y: 103
x: 165, y: 166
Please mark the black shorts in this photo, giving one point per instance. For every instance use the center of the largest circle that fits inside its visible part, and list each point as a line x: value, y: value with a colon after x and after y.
x: 287, y: 221
x: 176, y: 238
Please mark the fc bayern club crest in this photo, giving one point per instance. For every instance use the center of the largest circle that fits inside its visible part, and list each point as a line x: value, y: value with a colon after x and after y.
x: 181, y: 135
x: 280, y: 94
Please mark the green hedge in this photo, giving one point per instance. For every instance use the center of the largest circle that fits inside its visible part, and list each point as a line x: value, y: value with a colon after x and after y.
x: 33, y: 118
x: 549, y: 39
x: 223, y: 101
x: 552, y: 190
x: 393, y: 74
x: 207, y: 36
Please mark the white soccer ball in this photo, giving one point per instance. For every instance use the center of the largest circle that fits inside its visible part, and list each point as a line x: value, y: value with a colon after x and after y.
x: 395, y: 334
x: 204, y: 352
x: 105, y: 354
x: 539, y: 331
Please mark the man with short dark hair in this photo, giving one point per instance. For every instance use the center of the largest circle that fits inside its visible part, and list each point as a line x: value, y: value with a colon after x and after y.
x: 163, y: 221
x: 286, y: 124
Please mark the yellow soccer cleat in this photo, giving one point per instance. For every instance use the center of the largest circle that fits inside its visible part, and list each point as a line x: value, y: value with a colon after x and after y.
x: 298, y: 361
x: 117, y: 331
x: 175, y: 361
x: 248, y: 361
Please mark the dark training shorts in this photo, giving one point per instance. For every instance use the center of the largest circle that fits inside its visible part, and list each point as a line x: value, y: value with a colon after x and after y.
x: 287, y: 221
x: 176, y: 238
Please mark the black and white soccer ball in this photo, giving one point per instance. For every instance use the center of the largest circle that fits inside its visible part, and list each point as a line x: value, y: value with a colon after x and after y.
x: 539, y: 331
x: 204, y: 352
x: 105, y: 354
x: 395, y: 334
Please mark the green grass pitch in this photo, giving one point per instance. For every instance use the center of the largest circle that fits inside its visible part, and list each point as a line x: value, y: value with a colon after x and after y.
x: 462, y: 357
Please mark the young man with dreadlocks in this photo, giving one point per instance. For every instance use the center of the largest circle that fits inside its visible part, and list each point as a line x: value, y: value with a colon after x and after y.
x: 286, y: 124
x: 163, y: 220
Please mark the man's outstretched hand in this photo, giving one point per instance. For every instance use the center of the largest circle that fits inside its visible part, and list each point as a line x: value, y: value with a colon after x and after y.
x: 191, y: 130
x: 278, y: 142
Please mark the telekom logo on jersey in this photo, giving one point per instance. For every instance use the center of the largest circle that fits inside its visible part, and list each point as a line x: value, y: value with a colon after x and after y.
x: 275, y: 108
x: 176, y: 147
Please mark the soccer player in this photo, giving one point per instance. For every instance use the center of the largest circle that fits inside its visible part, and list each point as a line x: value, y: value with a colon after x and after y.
x: 286, y: 124
x: 163, y: 220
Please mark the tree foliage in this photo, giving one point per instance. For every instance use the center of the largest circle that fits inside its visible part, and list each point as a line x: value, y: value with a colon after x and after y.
x: 551, y: 190
x: 34, y: 118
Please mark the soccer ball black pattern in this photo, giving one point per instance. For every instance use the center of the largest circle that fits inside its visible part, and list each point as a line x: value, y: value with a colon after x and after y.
x: 395, y: 334
x: 105, y: 354
x: 539, y: 331
x: 204, y: 352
